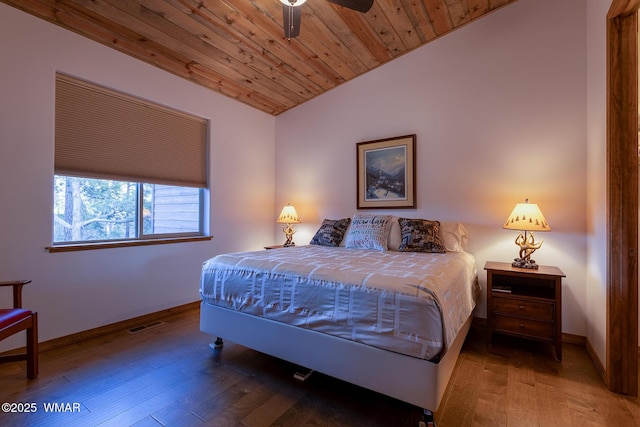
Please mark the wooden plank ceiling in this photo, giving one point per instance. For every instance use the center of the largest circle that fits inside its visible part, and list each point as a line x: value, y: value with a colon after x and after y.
x: 238, y: 48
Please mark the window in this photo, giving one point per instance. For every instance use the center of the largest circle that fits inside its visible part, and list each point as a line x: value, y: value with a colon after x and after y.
x: 98, y: 210
x: 125, y: 168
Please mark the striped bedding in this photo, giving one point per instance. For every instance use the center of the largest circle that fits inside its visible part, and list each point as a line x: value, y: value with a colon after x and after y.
x: 409, y: 303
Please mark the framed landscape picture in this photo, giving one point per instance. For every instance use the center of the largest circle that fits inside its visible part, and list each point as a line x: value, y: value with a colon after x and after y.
x: 386, y: 173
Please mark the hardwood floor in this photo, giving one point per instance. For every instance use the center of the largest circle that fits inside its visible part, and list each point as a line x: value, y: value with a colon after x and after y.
x: 168, y: 375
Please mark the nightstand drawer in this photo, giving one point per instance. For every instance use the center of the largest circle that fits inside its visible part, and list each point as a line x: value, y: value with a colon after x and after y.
x: 525, y: 302
x: 539, y: 310
x: 525, y: 327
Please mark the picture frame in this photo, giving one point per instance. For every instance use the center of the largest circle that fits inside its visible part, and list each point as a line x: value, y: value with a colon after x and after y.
x: 386, y: 173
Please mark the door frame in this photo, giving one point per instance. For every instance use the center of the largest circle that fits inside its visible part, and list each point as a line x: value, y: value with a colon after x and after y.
x: 622, y: 197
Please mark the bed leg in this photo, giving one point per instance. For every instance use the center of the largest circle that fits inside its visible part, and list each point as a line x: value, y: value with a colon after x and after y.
x: 218, y: 344
x: 428, y: 419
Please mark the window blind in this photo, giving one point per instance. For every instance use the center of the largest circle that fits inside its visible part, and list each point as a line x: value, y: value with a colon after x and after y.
x: 101, y: 133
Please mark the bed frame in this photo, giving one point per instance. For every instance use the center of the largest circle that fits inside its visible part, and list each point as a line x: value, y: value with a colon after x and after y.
x: 412, y: 380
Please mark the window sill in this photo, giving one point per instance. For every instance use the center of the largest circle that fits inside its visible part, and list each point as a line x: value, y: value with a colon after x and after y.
x: 124, y: 244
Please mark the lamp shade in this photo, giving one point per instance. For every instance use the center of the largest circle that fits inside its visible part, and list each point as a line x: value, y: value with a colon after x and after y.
x: 288, y: 215
x: 527, y: 217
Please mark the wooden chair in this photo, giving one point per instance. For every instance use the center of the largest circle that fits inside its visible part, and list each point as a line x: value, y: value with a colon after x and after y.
x: 17, y: 319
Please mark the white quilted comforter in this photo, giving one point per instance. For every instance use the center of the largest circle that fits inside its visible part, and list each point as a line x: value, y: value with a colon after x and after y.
x: 410, y: 303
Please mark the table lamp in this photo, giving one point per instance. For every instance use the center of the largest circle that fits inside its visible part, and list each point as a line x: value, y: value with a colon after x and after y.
x: 288, y: 216
x: 526, y: 217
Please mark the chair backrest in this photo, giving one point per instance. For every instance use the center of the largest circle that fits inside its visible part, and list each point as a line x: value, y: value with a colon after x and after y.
x: 17, y: 291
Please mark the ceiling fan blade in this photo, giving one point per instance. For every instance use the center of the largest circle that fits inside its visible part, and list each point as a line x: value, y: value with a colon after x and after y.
x: 291, y: 18
x: 359, y: 5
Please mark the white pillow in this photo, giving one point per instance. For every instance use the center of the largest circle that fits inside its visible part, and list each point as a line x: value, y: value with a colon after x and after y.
x: 395, y: 235
x: 368, y: 232
x: 454, y: 236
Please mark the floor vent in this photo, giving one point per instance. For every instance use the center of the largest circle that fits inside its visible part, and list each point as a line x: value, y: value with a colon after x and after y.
x: 141, y: 328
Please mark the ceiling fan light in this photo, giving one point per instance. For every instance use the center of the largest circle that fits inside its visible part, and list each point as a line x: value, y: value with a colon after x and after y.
x: 292, y: 2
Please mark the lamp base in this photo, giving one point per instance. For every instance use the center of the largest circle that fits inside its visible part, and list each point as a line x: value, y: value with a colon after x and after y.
x: 524, y: 263
x: 288, y: 233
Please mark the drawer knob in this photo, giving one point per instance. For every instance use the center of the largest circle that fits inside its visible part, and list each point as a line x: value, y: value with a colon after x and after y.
x: 522, y: 307
x: 521, y: 326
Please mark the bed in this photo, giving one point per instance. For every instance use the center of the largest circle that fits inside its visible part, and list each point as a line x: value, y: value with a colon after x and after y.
x: 383, y: 318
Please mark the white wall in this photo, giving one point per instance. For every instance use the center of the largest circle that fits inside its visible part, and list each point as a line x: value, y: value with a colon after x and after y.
x: 503, y: 109
x: 597, y: 176
x: 81, y: 290
x: 499, y: 109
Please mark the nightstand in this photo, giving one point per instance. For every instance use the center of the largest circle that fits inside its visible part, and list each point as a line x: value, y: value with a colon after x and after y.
x: 275, y: 247
x: 526, y: 303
